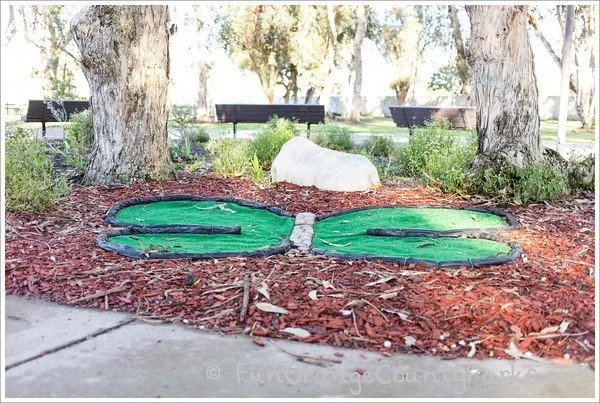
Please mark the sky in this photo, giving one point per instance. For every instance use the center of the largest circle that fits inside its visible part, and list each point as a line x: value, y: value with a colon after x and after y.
x: 229, y: 84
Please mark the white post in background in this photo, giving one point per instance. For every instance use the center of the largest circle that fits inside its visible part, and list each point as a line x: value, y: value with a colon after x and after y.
x: 564, y: 82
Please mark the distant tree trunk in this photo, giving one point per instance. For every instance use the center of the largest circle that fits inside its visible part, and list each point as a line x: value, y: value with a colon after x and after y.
x: 309, y: 94
x: 504, y: 85
x: 327, y: 88
x: 125, y: 59
x: 359, y: 36
x: 585, y: 102
x: 461, y: 59
x: 564, y: 81
x: 202, y: 109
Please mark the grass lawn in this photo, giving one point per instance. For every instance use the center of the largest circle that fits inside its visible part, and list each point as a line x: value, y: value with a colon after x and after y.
x: 382, y: 125
x: 373, y: 125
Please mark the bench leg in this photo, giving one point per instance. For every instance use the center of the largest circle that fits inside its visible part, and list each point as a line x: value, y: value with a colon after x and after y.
x: 308, y: 131
x: 234, y: 129
x: 410, y: 131
x: 43, y: 130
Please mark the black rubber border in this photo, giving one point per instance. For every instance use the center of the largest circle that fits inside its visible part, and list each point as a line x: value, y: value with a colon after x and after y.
x: 514, y: 254
x: 103, y: 242
x: 110, y: 216
x: 510, y: 219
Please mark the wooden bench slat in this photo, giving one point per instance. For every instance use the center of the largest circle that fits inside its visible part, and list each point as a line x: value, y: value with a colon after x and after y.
x: 462, y: 117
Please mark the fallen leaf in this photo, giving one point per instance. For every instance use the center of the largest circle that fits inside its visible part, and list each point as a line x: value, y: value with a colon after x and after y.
x: 381, y: 280
x: 313, y: 295
x: 551, y: 329
x: 259, y: 341
x: 517, y: 330
x: 266, y: 307
x: 563, y: 326
x: 389, y: 295
x: 409, y: 341
x: 337, y: 296
x: 472, y: 350
x: 360, y: 371
x: 327, y: 284
x: 264, y: 290
x: 338, y: 354
x: 296, y: 331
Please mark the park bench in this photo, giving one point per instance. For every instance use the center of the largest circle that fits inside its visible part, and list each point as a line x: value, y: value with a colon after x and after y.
x: 459, y: 117
x: 262, y: 113
x: 53, y: 111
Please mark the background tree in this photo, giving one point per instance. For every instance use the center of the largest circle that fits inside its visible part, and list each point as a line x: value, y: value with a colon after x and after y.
x: 462, y: 69
x: 446, y: 78
x: 505, y: 87
x: 359, y: 36
x: 46, y: 28
x: 125, y: 59
x: 259, y: 38
x: 398, y: 39
x: 582, y: 82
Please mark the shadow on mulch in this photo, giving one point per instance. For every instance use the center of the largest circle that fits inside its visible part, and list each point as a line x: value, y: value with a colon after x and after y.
x: 543, y: 304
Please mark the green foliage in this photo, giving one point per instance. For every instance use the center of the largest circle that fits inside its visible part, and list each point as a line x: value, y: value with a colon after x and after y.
x: 536, y: 182
x: 196, y: 136
x: 379, y: 146
x: 446, y: 78
x: 230, y: 156
x: 438, y: 156
x: 30, y: 182
x: 182, y: 115
x: 335, y: 138
x: 77, y: 143
x: 268, y: 142
x: 258, y: 174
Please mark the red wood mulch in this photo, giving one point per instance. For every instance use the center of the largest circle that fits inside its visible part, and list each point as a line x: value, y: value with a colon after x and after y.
x: 52, y: 256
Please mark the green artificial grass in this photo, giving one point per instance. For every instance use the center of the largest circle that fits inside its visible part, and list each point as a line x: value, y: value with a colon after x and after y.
x: 260, y: 228
x: 438, y: 249
x: 346, y: 233
x: 199, y: 243
x: 428, y: 218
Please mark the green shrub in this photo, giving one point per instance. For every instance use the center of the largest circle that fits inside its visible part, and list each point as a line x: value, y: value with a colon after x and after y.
x: 379, y: 146
x: 30, y: 182
x: 196, y: 135
x: 258, y: 174
x: 536, y: 182
x: 268, y: 142
x: 230, y: 156
x: 182, y: 115
x: 335, y: 138
x: 77, y: 144
x: 437, y: 156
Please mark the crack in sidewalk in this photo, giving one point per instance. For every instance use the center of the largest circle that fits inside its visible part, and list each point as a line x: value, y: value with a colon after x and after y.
x: 70, y: 344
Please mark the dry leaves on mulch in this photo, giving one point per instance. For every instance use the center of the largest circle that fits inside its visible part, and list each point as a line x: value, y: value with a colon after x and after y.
x: 543, y: 304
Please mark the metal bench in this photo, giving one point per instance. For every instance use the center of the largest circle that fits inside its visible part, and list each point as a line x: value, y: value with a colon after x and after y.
x: 53, y: 111
x: 262, y: 113
x: 460, y: 117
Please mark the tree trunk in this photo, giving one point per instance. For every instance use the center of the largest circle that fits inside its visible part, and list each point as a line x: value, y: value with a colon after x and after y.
x: 327, y: 88
x: 125, y: 59
x: 505, y: 87
x: 586, y: 75
x: 461, y: 59
x: 564, y: 81
x: 202, y: 110
x: 359, y: 36
x: 309, y: 94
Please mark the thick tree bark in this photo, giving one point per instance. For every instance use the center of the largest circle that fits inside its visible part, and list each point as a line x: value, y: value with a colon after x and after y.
x: 461, y: 59
x: 125, y: 58
x: 505, y: 87
x: 588, y: 48
x: 359, y: 36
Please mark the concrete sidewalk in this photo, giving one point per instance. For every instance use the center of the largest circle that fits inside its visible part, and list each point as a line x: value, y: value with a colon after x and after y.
x: 55, y: 351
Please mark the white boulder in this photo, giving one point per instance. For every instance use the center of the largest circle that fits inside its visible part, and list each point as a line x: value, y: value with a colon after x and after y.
x: 304, y: 163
